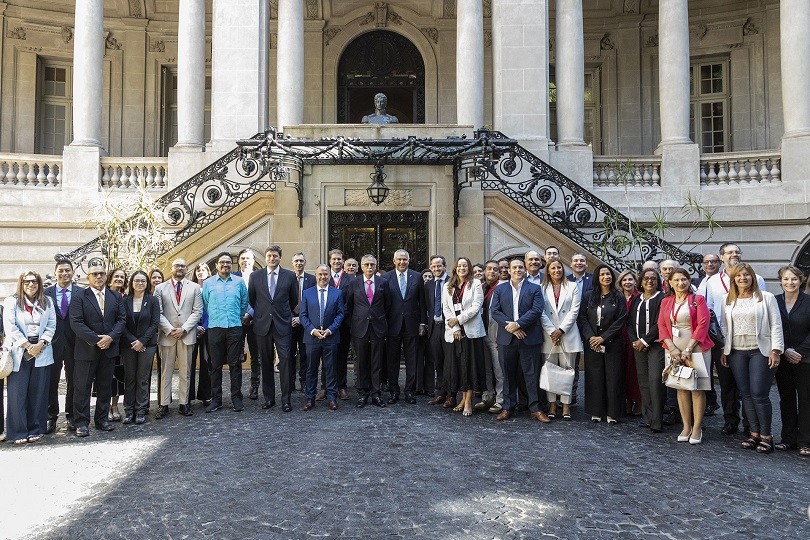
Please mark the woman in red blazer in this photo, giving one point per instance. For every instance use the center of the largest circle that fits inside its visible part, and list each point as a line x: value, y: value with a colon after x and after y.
x: 683, y: 329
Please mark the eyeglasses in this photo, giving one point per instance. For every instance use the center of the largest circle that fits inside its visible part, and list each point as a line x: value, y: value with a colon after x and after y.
x: 139, y: 281
x: 97, y: 274
x: 30, y: 282
x: 734, y: 252
x: 650, y: 278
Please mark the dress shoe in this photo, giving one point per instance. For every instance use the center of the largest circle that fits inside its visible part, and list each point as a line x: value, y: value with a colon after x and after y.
x: 361, y: 402
x: 213, y: 406
x: 105, y: 426
x: 343, y: 394
x: 410, y: 399
x: 206, y: 402
x: 436, y: 400
x: 238, y: 406
x: 393, y: 399
x: 377, y: 400
x: 449, y: 402
x: 162, y: 412
x: 50, y: 427
x: 332, y: 405
x: 128, y: 418
x: 321, y: 395
x: 729, y: 429
x: 186, y: 410
x: 671, y: 418
x: 540, y: 416
x: 483, y: 405
x: 268, y: 404
x: 82, y: 431
x: 503, y: 415
x: 286, y: 407
x: 254, y: 393
x: 140, y: 419
x: 308, y: 404
x: 496, y: 408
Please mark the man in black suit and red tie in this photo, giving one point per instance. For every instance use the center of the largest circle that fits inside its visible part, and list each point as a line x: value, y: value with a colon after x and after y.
x: 365, y: 308
x: 273, y: 295
x: 407, y: 320
x: 97, y: 317
x: 298, y: 351
x: 64, y: 342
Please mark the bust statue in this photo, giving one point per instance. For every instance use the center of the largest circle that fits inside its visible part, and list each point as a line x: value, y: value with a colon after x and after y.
x: 380, y: 116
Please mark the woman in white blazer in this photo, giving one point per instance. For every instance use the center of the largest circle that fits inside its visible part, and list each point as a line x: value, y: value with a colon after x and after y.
x: 29, y: 320
x: 750, y: 320
x: 462, y: 299
x: 562, y: 343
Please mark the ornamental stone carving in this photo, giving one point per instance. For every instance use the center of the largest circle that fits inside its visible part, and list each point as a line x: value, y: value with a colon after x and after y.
x: 157, y: 46
x: 111, y: 43
x: 487, y: 8
x: 329, y: 34
x: 487, y: 38
x: 135, y: 8
x: 606, y: 44
x: 312, y: 9
x: 750, y: 28
x: 396, y: 198
x: 652, y: 41
x: 449, y: 9
x: 431, y: 33
x: 67, y: 33
x: 630, y: 6
x: 699, y: 31
x: 16, y: 33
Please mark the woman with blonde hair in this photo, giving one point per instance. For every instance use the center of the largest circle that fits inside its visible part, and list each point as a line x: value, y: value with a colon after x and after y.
x: 29, y: 321
x: 750, y: 320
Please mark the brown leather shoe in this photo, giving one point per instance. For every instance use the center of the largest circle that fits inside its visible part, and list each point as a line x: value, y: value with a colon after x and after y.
x: 436, y: 400
x: 343, y: 394
x: 449, y: 403
x: 540, y: 416
x: 308, y: 404
x: 332, y: 405
x: 503, y: 415
x: 321, y: 395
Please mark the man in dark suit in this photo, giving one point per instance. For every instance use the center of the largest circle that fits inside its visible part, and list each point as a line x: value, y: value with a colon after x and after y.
x: 437, y: 351
x: 246, y: 263
x: 322, y: 312
x: 341, y: 280
x: 64, y: 342
x: 273, y: 294
x: 584, y: 281
x: 406, y: 322
x: 97, y: 317
x: 365, y: 308
x: 298, y: 352
x: 520, y: 335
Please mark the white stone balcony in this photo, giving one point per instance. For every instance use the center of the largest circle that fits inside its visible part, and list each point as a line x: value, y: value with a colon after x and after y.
x: 741, y: 168
x: 119, y: 173
x: 634, y: 171
x: 30, y: 170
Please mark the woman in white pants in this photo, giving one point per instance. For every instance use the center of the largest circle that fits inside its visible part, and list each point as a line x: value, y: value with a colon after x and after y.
x: 562, y: 343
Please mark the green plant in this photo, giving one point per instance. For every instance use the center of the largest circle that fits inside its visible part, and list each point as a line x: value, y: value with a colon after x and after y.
x: 695, y: 215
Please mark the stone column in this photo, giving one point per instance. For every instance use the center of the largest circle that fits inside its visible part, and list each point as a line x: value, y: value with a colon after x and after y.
x: 570, y: 73
x: 290, y: 63
x: 88, y: 64
x: 520, y: 72
x: 191, y: 74
x: 673, y: 71
x: 794, y: 24
x: 470, y: 63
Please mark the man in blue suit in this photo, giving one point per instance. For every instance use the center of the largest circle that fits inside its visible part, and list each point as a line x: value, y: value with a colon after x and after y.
x: 517, y: 309
x: 584, y: 281
x: 322, y: 312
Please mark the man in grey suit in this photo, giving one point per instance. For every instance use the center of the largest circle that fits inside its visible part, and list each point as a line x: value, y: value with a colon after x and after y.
x: 181, y: 307
x: 273, y: 294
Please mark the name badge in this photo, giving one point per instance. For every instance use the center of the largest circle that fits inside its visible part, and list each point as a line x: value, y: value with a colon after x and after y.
x: 457, y: 307
x: 676, y: 332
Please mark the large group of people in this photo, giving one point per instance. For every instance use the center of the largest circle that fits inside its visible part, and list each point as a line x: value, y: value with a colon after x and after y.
x: 503, y: 336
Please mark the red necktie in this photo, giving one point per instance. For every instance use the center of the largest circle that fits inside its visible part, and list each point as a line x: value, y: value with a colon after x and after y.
x: 178, y: 290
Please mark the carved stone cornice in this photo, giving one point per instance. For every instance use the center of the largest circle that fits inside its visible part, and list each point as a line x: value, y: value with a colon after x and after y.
x: 157, y: 46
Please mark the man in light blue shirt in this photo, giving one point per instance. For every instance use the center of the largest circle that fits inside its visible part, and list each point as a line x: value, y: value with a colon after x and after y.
x: 225, y: 297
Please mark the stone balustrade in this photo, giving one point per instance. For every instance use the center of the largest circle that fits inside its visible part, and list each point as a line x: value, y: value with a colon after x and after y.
x: 24, y: 170
x: 741, y: 168
x: 635, y: 171
x: 129, y: 173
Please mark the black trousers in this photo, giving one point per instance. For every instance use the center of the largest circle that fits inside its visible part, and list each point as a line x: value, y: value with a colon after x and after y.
x: 649, y: 365
x: 225, y: 345
x: 793, y: 381
x: 395, y: 346
x: 255, y: 356
x: 85, y: 370
x: 270, y: 345
x: 604, y: 381
x: 729, y: 396
x: 342, y: 355
x: 369, y: 352
x: 298, y: 356
x: 438, y: 354
x: 137, y: 366
x: 200, y: 358
x: 53, y: 390
x: 519, y: 359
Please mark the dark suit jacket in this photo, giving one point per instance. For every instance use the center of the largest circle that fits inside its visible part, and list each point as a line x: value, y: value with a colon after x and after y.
x: 409, y: 311
x: 345, y: 282
x: 309, y: 281
x: 87, y: 322
x: 796, y: 324
x: 361, y: 314
x: 587, y: 283
x: 277, y: 311
x: 145, y: 328
x: 614, y: 315
x: 64, y: 340
x: 530, y: 309
x: 649, y: 333
x: 430, y: 298
x: 332, y: 316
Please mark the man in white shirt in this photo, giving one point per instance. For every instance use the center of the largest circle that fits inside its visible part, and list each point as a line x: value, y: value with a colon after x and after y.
x: 533, y: 263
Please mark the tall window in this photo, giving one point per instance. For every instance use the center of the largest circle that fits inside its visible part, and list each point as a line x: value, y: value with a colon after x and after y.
x: 168, y: 125
x: 709, y: 114
x: 53, y: 121
x: 592, y: 132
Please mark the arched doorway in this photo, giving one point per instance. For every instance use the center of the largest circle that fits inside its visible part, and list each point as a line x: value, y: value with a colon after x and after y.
x: 381, y: 61
x: 803, y: 259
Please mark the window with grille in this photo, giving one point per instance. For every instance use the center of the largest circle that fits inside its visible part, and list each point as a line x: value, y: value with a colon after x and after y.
x: 709, y: 112
x: 592, y: 132
x: 168, y: 124
x: 53, y: 109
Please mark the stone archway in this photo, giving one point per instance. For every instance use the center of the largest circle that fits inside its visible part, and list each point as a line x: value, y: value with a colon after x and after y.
x: 381, y: 61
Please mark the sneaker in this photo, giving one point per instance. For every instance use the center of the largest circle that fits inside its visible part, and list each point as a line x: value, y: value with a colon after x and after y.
x: 213, y: 406
x: 237, y: 405
x: 497, y: 408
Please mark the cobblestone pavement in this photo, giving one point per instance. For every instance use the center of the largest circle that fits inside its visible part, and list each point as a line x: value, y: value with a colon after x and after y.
x: 406, y: 471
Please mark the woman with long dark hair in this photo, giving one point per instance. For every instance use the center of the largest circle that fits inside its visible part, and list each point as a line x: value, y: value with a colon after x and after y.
x: 117, y: 282
x: 138, y: 346
x: 600, y: 321
x: 628, y: 286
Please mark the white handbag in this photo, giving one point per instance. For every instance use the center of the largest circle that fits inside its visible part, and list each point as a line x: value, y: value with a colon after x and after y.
x: 557, y: 380
x: 6, y: 363
x: 681, y: 377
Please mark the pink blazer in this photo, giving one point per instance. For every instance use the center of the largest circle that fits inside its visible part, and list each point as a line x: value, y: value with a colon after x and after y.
x: 698, y: 312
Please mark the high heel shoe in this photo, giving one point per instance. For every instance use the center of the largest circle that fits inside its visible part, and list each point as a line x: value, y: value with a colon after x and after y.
x: 698, y: 440
x: 596, y: 419
x: 683, y: 438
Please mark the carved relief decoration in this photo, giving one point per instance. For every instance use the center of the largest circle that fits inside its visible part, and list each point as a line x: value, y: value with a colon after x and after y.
x: 396, y: 197
x: 157, y: 46
x: 381, y: 16
x: 652, y: 41
x: 273, y: 41
x: 699, y: 31
x: 273, y: 9
x: 750, y: 28
x: 67, y: 33
x: 368, y: 19
x: 431, y: 33
x: 312, y: 9
x: 112, y: 43
x: 631, y: 6
x: 329, y: 34
x: 449, y: 9
x: 16, y: 33
x: 487, y: 38
x: 487, y: 8
x: 606, y: 44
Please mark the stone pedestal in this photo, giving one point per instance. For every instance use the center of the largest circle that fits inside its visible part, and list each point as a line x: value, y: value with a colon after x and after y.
x: 186, y: 161
x: 575, y: 162
x: 680, y: 171
x: 794, y: 167
x: 81, y: 172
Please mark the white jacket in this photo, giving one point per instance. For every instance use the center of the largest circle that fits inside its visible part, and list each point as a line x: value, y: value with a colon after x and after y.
x: 470, y: 316
x: 769, y: 325
x: 563, y: 317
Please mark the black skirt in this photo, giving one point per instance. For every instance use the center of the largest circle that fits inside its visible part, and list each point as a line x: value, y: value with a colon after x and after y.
x: 467, y: 365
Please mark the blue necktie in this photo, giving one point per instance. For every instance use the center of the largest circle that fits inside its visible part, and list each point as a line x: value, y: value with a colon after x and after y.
x: 402, y: 285
x: 437, y: 300
x: 322, y: 306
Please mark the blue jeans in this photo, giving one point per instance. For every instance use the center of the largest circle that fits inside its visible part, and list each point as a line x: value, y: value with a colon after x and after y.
x: 754, y: 379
